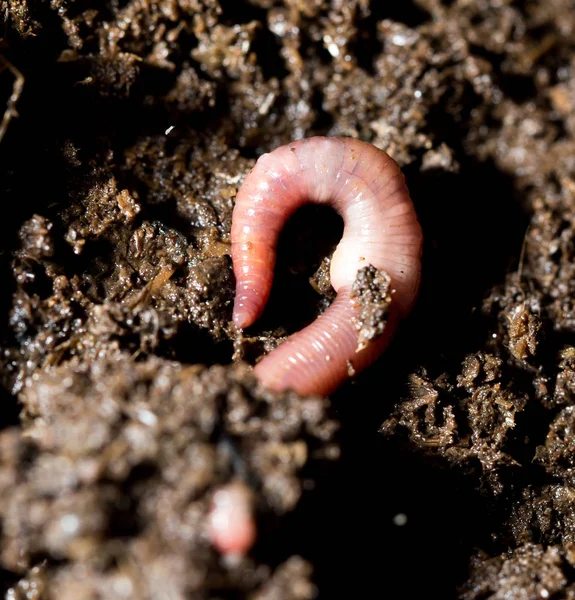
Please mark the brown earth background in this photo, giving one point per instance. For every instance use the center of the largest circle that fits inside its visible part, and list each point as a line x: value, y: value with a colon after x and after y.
x: 127, y: 400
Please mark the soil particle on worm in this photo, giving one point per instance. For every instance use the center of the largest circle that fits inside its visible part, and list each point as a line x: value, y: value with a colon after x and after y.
x: 137, y: 123
x: 372, y: 293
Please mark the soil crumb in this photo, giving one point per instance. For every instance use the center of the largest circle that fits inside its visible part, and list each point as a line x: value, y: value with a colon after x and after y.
x: 372, y: 291
x: 530, y: 571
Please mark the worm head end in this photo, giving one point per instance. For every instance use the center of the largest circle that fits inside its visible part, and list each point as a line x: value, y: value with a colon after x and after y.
x: 241, y: 317
x: 245, y: 311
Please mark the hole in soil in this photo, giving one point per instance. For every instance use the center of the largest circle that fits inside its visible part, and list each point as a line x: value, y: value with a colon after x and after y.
x: 406, y: 12
x: 39, y: 283
x: 193, y: 345
x: 124, y: 520
x: 10, y: 415
x: 265, y: 44
x: 253, y: 152
x: 519, y: 88
x: 7, y: 580
x: 240, y: 12
x: 267, y: 49
x: 324, y: 121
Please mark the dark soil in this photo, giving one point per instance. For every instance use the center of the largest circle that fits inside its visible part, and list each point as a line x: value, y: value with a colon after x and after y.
x: 127, y: 399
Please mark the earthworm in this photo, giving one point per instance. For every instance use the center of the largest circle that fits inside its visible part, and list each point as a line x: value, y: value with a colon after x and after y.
x: 367, y: 188
x: 231, y: 523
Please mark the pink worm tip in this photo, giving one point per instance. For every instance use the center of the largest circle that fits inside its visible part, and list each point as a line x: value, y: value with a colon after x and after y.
x: 242, y: 317
x: 231, y: 524
x: 366, y: 187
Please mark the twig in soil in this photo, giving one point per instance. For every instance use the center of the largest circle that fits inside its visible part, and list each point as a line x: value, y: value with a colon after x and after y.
x: 17, y: 88
x: 153, y: 287
x: 522, y: 256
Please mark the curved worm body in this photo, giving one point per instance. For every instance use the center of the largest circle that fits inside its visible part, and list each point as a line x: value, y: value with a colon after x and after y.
x: 367, y: 188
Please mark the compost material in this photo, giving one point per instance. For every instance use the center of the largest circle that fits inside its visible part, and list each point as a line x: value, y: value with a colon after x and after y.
x: 446, y: 469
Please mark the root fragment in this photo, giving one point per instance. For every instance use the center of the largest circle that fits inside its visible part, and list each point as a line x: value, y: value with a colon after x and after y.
x: 17, y: 88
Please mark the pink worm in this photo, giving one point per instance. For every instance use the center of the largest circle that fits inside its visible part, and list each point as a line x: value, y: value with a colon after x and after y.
x: 367, y: 188
x: 231, y: 522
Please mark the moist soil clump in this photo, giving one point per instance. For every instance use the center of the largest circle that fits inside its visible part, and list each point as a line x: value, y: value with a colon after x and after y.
x: 371, y: 291
x: 114, y: 474
x: 127, y: 397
